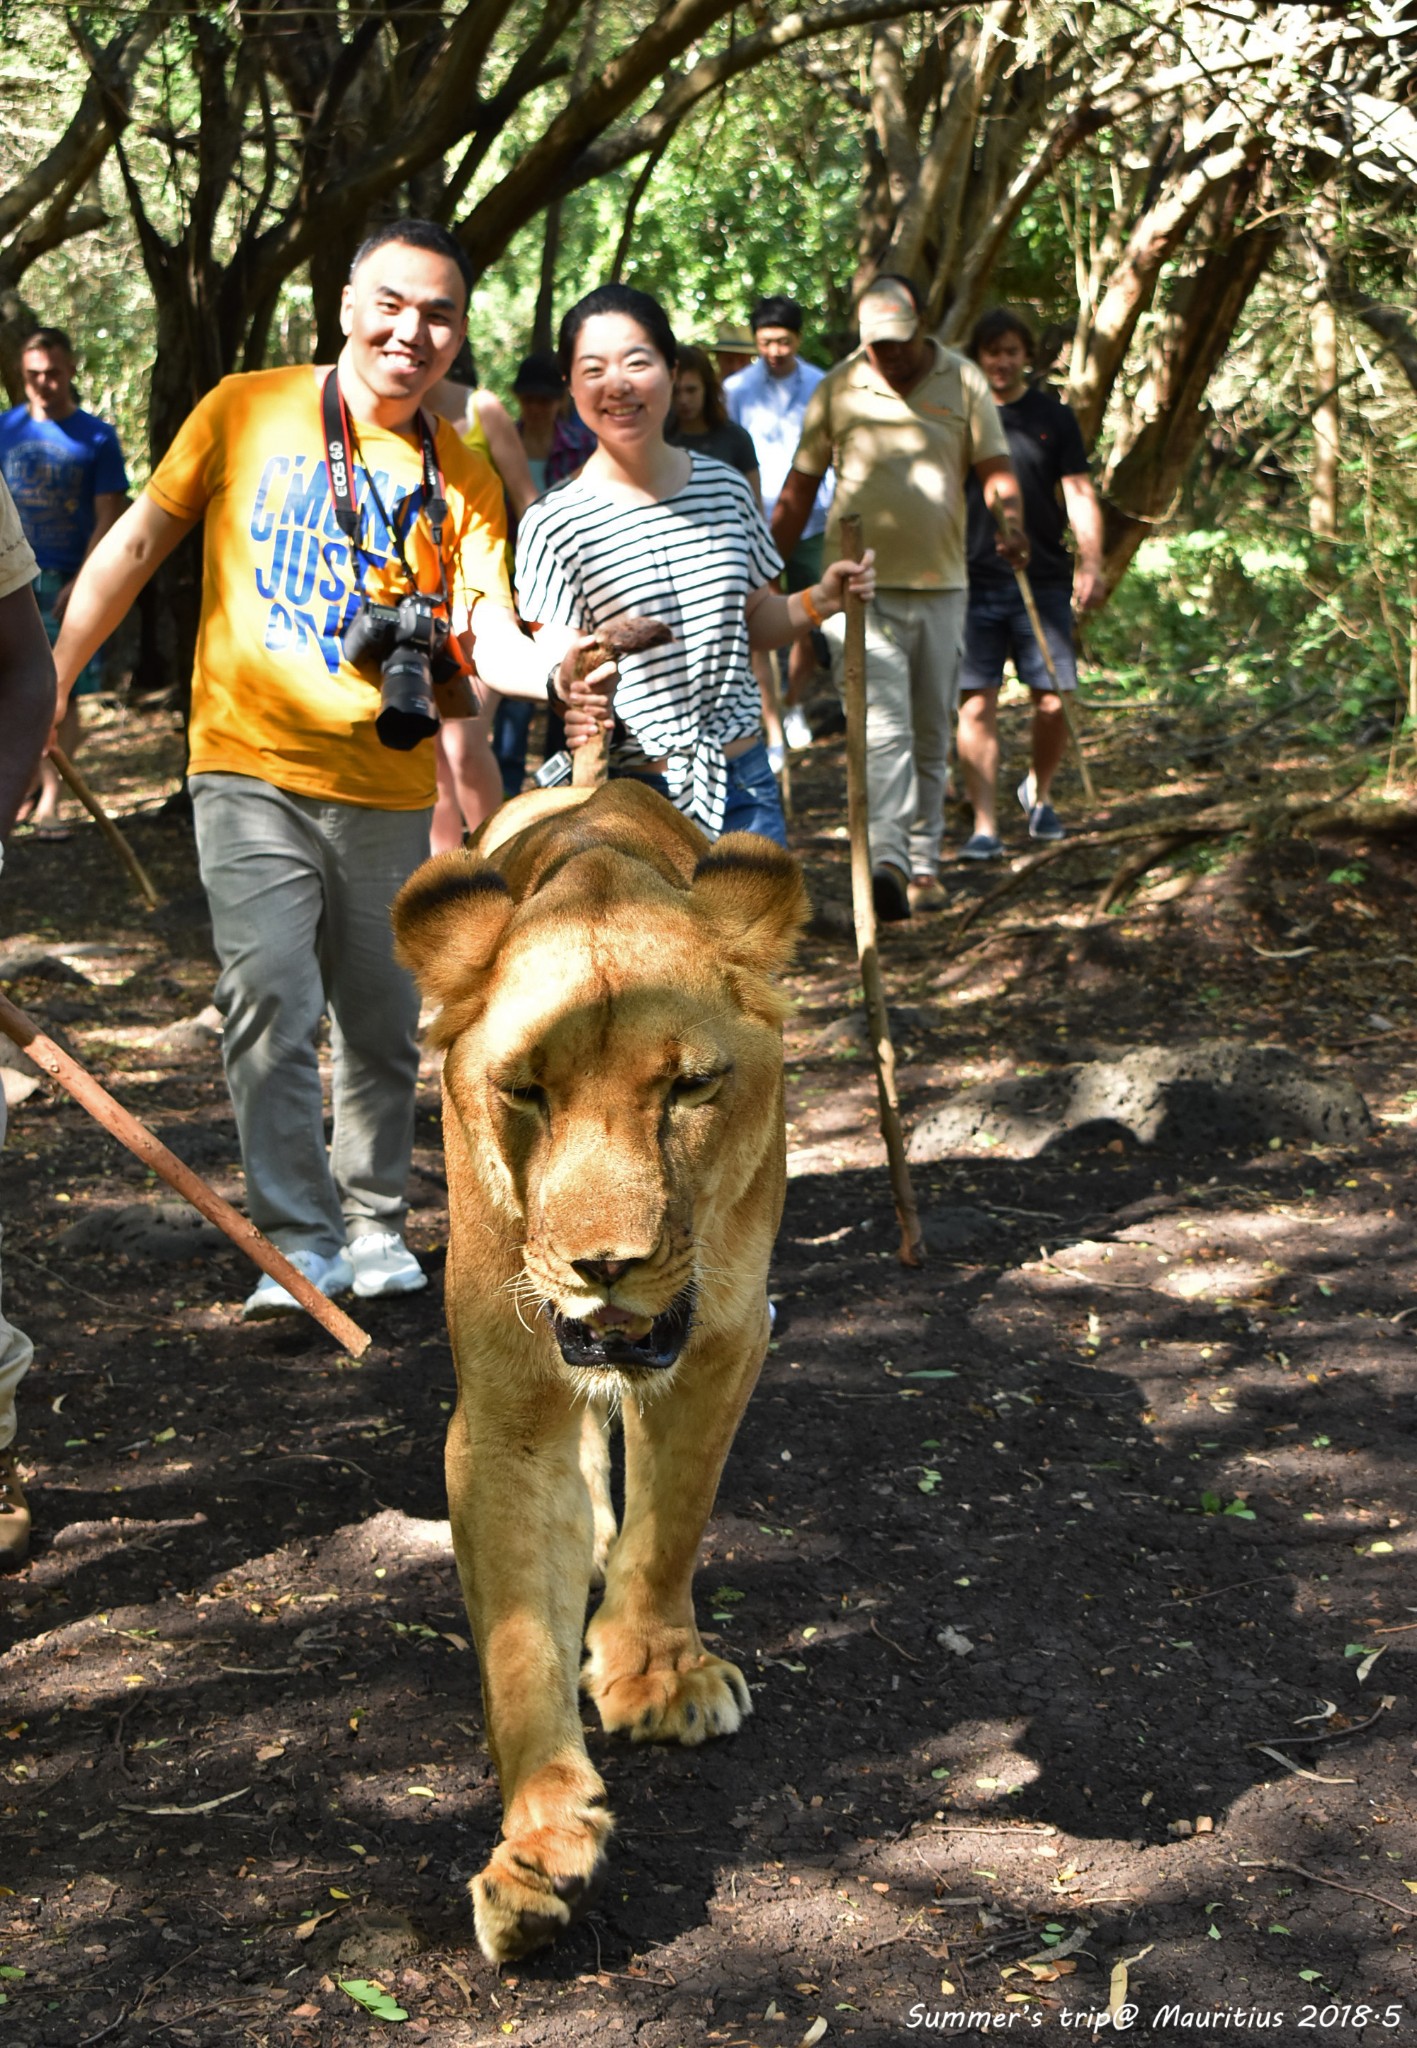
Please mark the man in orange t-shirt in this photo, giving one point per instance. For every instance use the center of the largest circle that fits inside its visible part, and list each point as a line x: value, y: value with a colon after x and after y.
x: 307, y: 822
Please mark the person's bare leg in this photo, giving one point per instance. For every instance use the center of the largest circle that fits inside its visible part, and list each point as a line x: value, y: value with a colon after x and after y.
x: 1050, y: 741
x: 469, y: 780
x: 801, y: 670
x: 49, y: 787
x: 977, y: 744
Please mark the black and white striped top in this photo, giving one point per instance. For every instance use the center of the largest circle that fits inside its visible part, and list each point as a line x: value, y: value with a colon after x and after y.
x: 692, y: 560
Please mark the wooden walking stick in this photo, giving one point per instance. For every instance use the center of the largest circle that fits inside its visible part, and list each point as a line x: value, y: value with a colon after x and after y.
x: 774, y: 697
x: 151, y: 1150
x: 105, y: 825
x: 590, y: 763
x: 1030, y: 605
x: 912, y: 1245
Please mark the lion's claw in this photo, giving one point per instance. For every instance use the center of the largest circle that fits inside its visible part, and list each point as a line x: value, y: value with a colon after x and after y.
x: 686, y: 1705
x: 535, y: 1885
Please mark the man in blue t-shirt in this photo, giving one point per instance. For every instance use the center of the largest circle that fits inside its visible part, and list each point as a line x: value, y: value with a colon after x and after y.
x: 1046, y: 447
x: 768, y: 400
x: 65, y: 471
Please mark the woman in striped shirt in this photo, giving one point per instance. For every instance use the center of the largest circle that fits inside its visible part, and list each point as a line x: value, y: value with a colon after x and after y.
x: 650, y: 530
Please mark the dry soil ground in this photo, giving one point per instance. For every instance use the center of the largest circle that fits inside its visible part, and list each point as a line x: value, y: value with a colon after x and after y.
x: 1024, y: 1553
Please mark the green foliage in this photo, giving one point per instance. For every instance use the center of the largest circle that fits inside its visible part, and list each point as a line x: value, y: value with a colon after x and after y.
x: 372, y: 1997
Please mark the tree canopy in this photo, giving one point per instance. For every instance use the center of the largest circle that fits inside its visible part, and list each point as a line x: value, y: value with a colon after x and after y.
x: 1207, y: 209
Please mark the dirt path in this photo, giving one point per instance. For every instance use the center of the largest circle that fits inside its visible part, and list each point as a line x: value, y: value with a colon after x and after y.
x: 1023, y: 1554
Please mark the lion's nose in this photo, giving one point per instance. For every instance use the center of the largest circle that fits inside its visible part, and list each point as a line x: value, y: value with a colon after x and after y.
x: 603, y: 1272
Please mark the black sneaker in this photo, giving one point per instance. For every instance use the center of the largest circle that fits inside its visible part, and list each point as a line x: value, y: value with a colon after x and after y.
x: 890, y: 892
x: 1043, y: 820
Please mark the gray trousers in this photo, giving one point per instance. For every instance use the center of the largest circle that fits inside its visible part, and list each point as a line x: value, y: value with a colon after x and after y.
x: 299, y: 891
x: 16, y: 1351
x: 914, y: 639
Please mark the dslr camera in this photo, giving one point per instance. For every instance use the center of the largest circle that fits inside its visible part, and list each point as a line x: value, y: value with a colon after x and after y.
x: 409, y: 641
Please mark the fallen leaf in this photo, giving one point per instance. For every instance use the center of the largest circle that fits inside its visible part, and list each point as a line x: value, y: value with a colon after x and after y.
x: 373, y: 1997
x: 813, y: 2034
x: 269, y: 1751
x: 307, y: 1927
x: 1117, y: 1985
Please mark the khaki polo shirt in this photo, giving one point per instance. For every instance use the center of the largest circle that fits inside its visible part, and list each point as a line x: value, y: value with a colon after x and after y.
x: 901, y: 463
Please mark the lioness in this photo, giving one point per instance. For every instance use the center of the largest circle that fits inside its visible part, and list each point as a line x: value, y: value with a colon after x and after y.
x: 613, y: 1123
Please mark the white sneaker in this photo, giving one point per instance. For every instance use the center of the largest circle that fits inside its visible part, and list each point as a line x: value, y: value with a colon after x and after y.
x: 777, y: 756
x: 383, y: 1264
x: 331, y: 1275
x: 795, y: 729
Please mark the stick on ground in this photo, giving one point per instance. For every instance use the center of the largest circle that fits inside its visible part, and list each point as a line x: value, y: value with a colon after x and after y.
x: 105, y: 825
x: 102, y: 1107
x: 912, y: 1248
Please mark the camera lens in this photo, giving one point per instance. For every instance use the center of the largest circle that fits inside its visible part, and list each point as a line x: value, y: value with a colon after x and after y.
x: 407, y: 712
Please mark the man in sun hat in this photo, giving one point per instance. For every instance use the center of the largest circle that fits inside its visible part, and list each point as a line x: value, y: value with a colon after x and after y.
x: 903, y: 422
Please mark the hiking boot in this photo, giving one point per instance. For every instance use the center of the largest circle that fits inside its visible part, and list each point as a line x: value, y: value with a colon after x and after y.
x: 332, y: 1275
x: 925, y: 893
x: 1043, y: 820
x: 982, y: 846
x: 383, y: 1264
x: 890, y: 892
x: 14, y: 1514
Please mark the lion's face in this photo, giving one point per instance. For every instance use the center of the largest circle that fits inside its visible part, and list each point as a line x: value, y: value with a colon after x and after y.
x: 615, y: 1070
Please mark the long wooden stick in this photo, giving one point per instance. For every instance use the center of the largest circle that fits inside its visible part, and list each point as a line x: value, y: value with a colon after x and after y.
x: 912, y: 1247
x: 105, y: 825
x: 774, y: 697
x: 151, y: 1150
x: 1030, y: 605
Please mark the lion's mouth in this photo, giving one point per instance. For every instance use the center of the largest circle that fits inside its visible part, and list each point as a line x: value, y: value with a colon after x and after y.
x: 600, y: 1349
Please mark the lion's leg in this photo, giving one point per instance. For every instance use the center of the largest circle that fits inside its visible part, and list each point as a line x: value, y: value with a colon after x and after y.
x: 648, y: 1671
x: 522, y: 1532
x: 595, y: 1470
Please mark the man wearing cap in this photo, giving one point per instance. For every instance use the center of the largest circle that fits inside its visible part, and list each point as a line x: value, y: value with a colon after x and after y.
x: 903, y: 422
x: 769, y: 399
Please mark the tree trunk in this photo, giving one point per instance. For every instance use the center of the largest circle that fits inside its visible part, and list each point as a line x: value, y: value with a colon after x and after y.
x: 1323, y: 349
x: 1323, y: 492
x: 1155, y: 447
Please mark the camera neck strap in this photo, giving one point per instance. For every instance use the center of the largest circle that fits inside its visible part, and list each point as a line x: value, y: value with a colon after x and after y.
x: 341, y: 447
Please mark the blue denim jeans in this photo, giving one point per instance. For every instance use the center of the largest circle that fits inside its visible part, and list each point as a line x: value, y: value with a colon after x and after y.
x: 753, y: 801
x: 754, y: 804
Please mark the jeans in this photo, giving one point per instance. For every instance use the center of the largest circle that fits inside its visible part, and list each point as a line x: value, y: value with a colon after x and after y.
x: 754, y: 804
x: 300, y: 891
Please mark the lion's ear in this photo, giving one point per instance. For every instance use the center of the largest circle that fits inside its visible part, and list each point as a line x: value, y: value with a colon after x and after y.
x: 449, y: 918
x: 752, y: 890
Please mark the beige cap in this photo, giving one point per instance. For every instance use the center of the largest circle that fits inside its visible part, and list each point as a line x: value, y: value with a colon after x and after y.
x: 887, y: 313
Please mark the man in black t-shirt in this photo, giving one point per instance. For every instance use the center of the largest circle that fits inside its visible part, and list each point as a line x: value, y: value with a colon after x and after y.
x: 1047, y: 451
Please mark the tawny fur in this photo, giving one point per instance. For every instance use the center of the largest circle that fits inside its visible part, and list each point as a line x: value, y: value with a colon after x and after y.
x: 613, y: 1126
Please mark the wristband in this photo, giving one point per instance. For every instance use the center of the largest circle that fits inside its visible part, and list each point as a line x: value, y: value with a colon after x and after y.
x: 553, y: 696
x: 814, y: 617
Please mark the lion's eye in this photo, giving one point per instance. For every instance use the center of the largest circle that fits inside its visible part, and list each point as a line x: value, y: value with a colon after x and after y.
x: 693, y: 1088
x: 529, y: 1097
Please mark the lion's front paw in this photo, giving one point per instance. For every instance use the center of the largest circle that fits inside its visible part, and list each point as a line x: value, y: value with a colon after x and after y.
x: 685, y: 1702
x: 537, y: 1881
